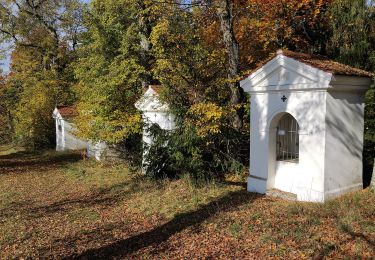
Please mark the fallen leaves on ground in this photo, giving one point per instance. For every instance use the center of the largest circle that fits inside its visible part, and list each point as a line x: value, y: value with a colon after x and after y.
x: 56, y: 205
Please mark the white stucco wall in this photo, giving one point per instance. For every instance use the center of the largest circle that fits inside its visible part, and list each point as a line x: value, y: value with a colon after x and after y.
x: 164, y: 120
x: 59, y: 124
x: 154, y: 112
x: 305, y: 178
x: 344, y: 142
x: 65, y: 138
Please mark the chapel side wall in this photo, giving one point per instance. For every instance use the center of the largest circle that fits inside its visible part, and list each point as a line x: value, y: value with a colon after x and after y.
x: 344, y: 142
x: 59, y: 135
x: 71, y: 142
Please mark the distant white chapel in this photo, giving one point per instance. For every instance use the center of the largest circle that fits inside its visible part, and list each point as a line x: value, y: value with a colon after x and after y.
x: 66, y: 138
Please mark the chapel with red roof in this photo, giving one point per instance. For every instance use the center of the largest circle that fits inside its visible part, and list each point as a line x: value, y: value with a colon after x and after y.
x: 307, y: 124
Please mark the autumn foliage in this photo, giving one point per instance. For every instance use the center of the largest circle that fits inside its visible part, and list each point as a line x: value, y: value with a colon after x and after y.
x: 100, y: 57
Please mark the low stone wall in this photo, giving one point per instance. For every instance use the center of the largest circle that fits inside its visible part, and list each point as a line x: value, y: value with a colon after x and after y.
x: 101, y: 151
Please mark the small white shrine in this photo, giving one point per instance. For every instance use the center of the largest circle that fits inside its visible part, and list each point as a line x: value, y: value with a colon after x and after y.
x: 307, y: 122
x: 154, y: 111
x: 65, y: 139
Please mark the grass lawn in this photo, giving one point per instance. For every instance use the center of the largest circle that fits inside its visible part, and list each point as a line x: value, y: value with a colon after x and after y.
x: 56, y: 205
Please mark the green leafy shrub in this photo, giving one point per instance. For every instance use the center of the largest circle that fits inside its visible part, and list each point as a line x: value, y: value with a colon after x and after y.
x: 184, y: 152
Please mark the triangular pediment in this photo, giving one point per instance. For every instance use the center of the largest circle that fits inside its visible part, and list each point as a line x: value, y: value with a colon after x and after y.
x: 150, y: 102
x: 286, y: 73
x: 56, y: 113
x: 284, y: 76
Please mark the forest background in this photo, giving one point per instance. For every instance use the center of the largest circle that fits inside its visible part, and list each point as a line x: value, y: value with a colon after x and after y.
x: 100, y: 57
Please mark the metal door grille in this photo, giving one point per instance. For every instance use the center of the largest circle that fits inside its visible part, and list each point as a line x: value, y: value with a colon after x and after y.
x: 287, y: 139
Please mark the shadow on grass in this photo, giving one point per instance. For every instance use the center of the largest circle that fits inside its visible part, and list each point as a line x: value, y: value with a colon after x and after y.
x: 364, y: 237
x: 105, y: 197
x: 327, y: 248
x: 20, y: 155
x: 162, y: 233
x: 36, y: 159
x: 354, y: 235
x: 236, y: 183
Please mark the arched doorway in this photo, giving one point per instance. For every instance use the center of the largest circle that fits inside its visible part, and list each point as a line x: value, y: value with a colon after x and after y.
x: 284, y: 154
x: 287, y: 139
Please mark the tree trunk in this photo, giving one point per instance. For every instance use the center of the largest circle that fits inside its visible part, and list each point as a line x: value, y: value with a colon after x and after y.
x: 10, y: 122
x: 145, y: 29
x: 224, y: 11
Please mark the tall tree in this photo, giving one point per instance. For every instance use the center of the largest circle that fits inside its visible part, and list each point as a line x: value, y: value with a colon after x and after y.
x: 44, y: 35
x: 6, y: 126
x: 353, y: 43
x: 118, y: 44
x: 43, y: 25
x: 224, y: 11
x: 145, y: 23
x: 353, y: 39
x: 250, y: 30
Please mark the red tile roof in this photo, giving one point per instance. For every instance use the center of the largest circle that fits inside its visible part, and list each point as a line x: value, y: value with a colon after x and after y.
x: 319, y: 62
x: 67, y: 111
x: 157, y: 88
